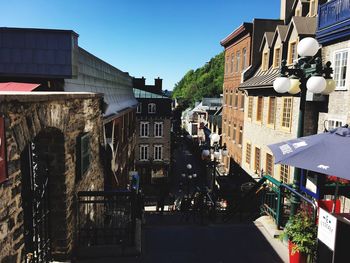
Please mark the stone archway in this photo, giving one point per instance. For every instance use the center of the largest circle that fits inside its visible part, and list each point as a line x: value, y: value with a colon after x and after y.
x: 43, y: 195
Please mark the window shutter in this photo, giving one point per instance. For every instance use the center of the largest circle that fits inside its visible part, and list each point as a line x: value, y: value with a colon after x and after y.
x: 83, y: 154
x: 3, y: 172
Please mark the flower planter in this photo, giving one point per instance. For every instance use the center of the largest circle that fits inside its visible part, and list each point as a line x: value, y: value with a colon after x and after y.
x: 297, y: 257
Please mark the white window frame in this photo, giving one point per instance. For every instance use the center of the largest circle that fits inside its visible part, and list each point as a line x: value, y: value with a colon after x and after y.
x: 158, y: 152
x: 139, y: 108
x: 335, y: 121
x: 144, y: 152
x: 345, y: 87
x: 151, y: 108
x: 144, y: 129
x: 158, y: 127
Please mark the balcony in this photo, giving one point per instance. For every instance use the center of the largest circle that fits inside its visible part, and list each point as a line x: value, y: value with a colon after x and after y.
x: 333, y: 21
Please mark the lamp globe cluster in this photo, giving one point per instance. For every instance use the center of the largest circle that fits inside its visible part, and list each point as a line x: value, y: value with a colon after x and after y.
x: 307, y: 47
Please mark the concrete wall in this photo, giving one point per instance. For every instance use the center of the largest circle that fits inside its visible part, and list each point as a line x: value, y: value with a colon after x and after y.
x: 26, y: 116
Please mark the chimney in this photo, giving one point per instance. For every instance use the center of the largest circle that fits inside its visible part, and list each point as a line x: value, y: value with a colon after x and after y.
x: 158, y: 84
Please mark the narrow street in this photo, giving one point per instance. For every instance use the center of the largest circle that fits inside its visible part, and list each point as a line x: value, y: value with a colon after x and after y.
x: 168, y: 238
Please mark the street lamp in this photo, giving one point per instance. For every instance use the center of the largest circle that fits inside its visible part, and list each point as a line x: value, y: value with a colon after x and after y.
x: 307, y: 74
x: 217, y: 151
x: 188, y: 176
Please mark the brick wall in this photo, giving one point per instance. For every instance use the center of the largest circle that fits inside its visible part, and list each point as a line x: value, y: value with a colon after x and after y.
x: 55, y: 119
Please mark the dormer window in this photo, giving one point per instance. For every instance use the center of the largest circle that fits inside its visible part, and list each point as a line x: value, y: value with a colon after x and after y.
x: 277, y: 58
x: 265, y: 61
x: 292, y: 52
x: 139, y: 107
x: 152, y: 108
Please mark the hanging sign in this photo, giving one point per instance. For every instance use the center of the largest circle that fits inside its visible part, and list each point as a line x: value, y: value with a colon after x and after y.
x: 327, y: 226
x: 3, y: 175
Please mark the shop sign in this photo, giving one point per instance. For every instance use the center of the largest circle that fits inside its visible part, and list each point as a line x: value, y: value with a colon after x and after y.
x: 327, y: 226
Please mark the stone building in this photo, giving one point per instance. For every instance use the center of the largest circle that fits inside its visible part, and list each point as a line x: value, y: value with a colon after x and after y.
x: 153, y: 140
x: 54, y: 59
x: 271, y: 117
x: 52, y: 148
x: 241, y: 46
x: 77, y: 141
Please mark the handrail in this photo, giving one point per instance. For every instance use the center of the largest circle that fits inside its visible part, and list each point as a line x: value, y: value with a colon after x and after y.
x: 314, y: 206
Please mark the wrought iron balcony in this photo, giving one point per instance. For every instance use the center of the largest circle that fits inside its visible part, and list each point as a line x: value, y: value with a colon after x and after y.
x: 333, y: 21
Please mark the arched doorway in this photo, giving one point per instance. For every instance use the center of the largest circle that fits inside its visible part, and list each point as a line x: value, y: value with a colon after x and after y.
x: 42, y: 167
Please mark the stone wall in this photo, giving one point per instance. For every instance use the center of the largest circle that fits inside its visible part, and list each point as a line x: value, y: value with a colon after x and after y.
x: 27, y: 116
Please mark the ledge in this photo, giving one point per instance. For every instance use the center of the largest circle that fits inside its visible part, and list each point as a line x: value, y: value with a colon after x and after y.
x: 46, y: 96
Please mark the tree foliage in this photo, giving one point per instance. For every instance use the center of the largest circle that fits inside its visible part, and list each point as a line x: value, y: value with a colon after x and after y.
x: 205, y: 81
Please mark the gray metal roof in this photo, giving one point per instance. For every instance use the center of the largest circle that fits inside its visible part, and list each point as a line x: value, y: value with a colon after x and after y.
x: 142, y: 94
x: 262, y: 78
x: 305, y: 26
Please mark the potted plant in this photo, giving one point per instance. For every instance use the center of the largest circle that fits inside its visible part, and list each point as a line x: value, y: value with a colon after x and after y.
x: 301, y: 232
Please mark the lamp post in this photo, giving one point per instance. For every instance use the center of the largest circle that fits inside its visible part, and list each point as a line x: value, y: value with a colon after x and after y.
x: 307, y: 74
x: 217, y: 151
x: 188, y: 176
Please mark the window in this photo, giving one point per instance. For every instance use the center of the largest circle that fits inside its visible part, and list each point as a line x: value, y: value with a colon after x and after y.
x: 272, y: 111
x: 144, y: 152
x: 231, y: 98
x: 277, y: 58
x: 250, y: 107
x: 158, y: 129
x: 226, y: 65
x: 238, y: 60
x: 236, y: 99
x: 265, y: 61
x: 284, y: 174
x: 248, y: 153
x: 232, y: 59
x: 234, y: 132
x: 259, y: 110
x: 242, y: 100
x: 257, y: 160
x: 340, y: 66
x: 244, y: 58
x: 139, y: 107
x: 287, y: 113
x: 240, y: 135
x: 158, y: 152
x: 229, y: 129
x: 293, y: 55
x: 152, y: 108
x: 226, y: 97
x: 144, y: 129
x: 269, y: 164
x: 332, y: 124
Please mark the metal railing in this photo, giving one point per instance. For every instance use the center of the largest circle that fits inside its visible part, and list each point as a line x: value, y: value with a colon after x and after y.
x: 275, y: 201
x: 106, y: 218
x: 333, y: 13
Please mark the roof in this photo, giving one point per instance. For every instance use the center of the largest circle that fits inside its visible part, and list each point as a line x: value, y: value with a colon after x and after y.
x: 268, y: 37
x: 261, y: 79
x: 248, y: 27
x: 142, y: 94
x: 39, y: 30
x: 212, y: 101
x: 15, y: 86
x: 282, y: 30
x: 305, y: 26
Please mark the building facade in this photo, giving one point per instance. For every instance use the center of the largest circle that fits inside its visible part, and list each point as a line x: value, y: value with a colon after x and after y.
x: 270, y: 117
x: 153, y: 140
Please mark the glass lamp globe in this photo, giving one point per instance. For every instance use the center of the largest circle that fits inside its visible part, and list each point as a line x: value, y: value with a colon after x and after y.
x: 214, y: 137
x: 190, y: 177
x: 183, y: 175
x: 308, y: 47
x: 189, y: 166
x: 330, y: 87
x: 194, y: 175
x: 281, y: 84
x: 205, y: 153
x: 224, y: 152
x: 316, y: 84
x: 216, y: 154
x: 294, y: 86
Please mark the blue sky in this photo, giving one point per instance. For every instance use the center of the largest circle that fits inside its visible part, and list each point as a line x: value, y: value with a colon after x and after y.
x: 149, y: 38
